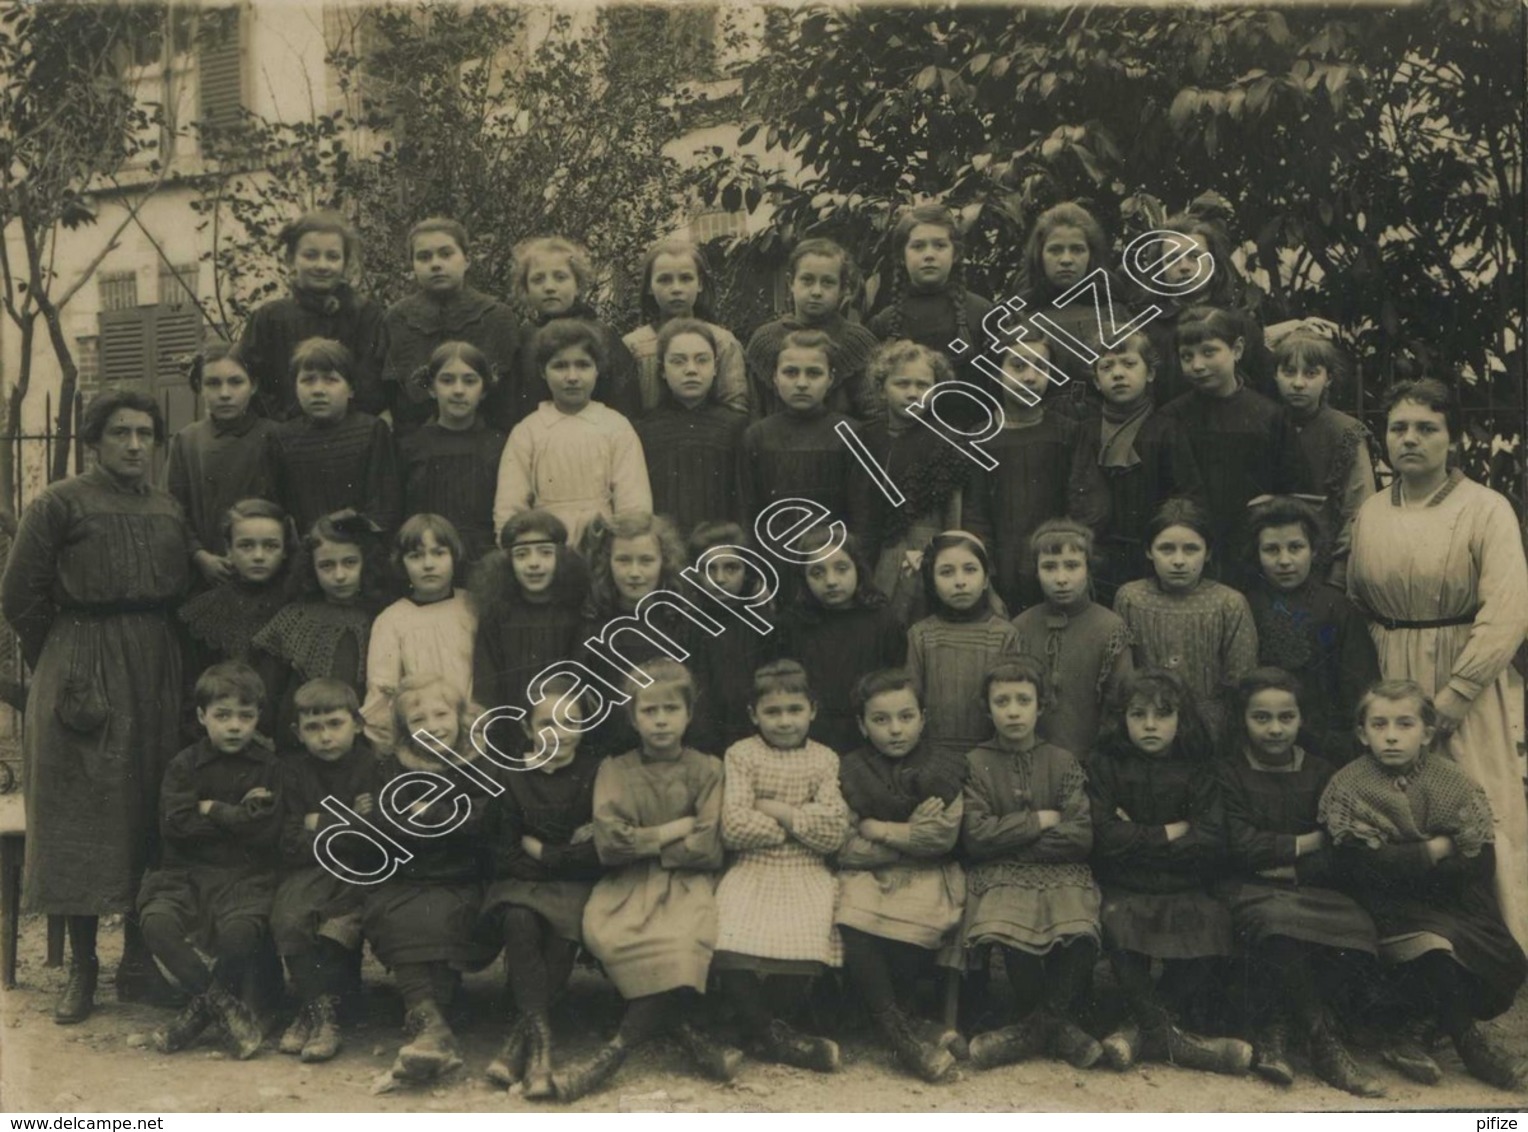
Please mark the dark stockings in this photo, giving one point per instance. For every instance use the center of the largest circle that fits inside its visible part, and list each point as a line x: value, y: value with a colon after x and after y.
x: 419, y: 983
x: 538, y: 960
x: 1057, y: 980
x: 1447, y: 987
x: 1284, y: 982
x: 237, y: 943
x: 877, y: 967
x: 1133, y: 971
x: 82, y: 937
x: 756, y: 1009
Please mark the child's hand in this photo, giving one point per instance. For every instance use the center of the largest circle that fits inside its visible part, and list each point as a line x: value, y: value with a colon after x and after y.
x: 532, y: 846
x: 912, y: 561
x: 774, y: 808
x: 1308, y: 843
x: 582, y: 833
x: 204, y: 806
x: 1048, y: 819
x: 258, y: 800
x: 1440, y: 847
x: 310, y: 822
x: 1176, y: 830
x: 213, y: 568
x: 872, y: 830
x: 929, y: 808
x: 364, y: 803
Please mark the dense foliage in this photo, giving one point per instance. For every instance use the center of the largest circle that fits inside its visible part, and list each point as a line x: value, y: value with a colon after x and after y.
x: 1373, y: 156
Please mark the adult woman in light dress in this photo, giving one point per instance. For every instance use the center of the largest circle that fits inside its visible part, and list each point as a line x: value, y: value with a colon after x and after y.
x: 1437, y: 565
x: 98, y: 564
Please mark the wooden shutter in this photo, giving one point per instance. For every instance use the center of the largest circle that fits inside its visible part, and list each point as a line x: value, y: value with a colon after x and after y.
x: 125, y: 340
x: 220, y: 66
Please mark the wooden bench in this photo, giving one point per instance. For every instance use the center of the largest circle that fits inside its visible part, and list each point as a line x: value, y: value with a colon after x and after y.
x: 13, y: 839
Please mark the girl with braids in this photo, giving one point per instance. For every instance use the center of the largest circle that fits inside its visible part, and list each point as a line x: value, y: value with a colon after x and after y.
x: 1066, y: 245
x: 930, y: 303
x: 1202, y: 230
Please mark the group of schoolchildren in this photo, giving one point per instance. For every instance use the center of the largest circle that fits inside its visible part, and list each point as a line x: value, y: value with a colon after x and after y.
x: 915, y: 786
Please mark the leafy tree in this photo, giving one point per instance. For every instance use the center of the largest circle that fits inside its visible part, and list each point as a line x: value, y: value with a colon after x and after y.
x: 518, y: 122
x: 72, y: 125
x: 1373, y: 156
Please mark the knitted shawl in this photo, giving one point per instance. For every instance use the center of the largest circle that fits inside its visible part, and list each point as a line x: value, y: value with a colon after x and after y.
x: 1374, y: 805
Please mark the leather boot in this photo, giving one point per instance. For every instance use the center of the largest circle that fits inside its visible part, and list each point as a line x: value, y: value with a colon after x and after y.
x: 433, y: 1051
x: 1122, y: 1047
x: 538, y: 1058
x: 1231, y: 1056
x: 1270, y: 1059
x: 580, y: 1080
x: 922, y: 1058
x: 1011, y: 1044
x: 238, y: 1021
x: 942, y: 1035
x: 295, y: 1036
x: 1406, y: 1053
x: 783, y: 1044
x: 1335, y: 1065
x: 508, y: 1066
x: 711, y: 1056
x: 1074, y: 1045
x: 324, y: 1040
x: 78, y: 998
x: 1488, y: 1060
x: 187, y: 1026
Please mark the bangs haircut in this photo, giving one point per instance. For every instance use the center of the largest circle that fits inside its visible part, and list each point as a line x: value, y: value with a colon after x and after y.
x: 230, y: 680
x: 325, y: 355
x: 781, y: 676
x: 867, y: 595
x: 1302, y: 348
x: 561, y: 334
x: 325, y: 694
x: 1057, y: 536
x: 445, y: 224
x: 664, y: 672
x: 879, y: 683
x: 1204, y: 324
x: 411, y: 536
x: 916, y: 214
x: 1019, y: 670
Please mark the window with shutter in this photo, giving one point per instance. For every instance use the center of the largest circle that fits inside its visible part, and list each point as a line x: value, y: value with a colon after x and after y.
x: 220, y: 66
x: 125, y: 337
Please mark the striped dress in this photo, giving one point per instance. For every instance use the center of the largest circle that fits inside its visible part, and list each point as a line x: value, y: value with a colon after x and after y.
x: 775, y: 905
x: 947, y: 660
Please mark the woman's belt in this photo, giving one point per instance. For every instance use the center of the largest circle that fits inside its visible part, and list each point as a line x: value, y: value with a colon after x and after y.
x: 1435, y: 623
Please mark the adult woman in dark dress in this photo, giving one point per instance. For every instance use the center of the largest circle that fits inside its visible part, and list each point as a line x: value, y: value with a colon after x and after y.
x: 98, y: 565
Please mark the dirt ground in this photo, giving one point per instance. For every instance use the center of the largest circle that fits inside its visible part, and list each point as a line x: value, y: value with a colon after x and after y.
x: 102, y: 1066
